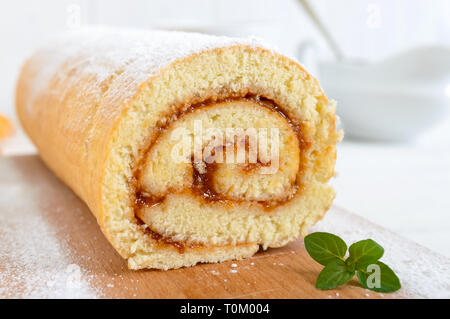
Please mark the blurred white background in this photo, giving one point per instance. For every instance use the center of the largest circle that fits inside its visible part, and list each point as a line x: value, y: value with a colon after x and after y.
x: 402, y: 186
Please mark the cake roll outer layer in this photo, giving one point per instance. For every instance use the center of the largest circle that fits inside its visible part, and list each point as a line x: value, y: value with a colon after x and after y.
x: 99, y: 104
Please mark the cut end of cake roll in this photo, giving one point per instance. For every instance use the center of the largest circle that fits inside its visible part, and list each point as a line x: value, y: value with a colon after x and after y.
x: 192, y: 211
x: 224, y: 148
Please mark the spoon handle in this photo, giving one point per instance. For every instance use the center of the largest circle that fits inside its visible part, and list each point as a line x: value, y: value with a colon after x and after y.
x: 323, y: 30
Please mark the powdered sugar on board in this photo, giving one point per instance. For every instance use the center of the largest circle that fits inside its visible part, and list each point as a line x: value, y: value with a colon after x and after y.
x: 50, y: 244
x: 35, y: 261
x: 422, y: 272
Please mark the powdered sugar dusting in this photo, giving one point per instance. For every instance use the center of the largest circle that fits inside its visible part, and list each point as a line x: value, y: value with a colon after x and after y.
x: 35, y: 260
x: 102, y: 52
x: 33, y: 263
x: 422, y: 272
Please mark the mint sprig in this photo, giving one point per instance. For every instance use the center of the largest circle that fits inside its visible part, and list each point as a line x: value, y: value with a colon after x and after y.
x: 329, y: 250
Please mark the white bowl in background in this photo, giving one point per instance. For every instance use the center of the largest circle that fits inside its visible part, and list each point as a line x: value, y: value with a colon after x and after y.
x: 393, y: 100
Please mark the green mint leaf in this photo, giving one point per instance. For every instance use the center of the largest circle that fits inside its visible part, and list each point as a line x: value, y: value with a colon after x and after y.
x: 334, y: 274
x: 325, y: 247
x: 379, y: 279
x: 363, y: 253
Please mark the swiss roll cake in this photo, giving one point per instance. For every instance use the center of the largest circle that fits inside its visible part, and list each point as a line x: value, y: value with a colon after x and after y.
x: 187, y: 148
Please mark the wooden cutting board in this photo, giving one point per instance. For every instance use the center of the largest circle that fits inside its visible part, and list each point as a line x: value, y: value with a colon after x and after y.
x: 51, y: 246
